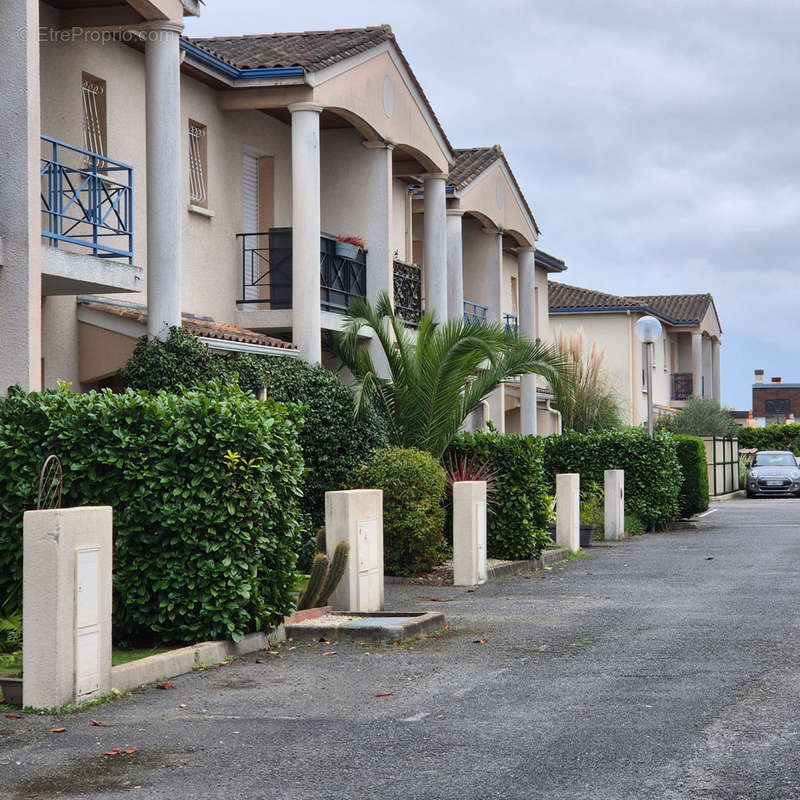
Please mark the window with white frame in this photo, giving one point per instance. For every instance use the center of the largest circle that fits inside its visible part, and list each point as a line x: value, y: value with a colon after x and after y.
x: 198, y: 164
x: 93, y: 92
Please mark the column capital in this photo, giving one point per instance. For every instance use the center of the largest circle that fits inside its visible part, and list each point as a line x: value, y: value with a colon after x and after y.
x: 306, y: 105
x: 434, y: 176
x: 490, y: 230
x: 522, y: 250
x: 166, y: 25
x: 378, y: 145
x: 454, y: 212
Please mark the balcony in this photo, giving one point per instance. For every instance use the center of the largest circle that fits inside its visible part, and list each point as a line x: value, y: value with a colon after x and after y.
x: 511, y: 323
x: 682, y: 385
x: 267, y: 271
x: 475, y: 313
x: 87, y: 215
x: 408, y: 292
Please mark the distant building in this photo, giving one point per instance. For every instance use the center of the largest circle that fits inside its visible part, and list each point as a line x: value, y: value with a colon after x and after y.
x: 774, y: 402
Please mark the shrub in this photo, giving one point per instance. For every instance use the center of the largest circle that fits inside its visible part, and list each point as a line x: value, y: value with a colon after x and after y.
x: 652, y: 472
x: 332, y: 441
x: 517, y: 519
x: 693, y: 493
x: 771, y: 437
x: 413, y: 518
x: 702, y: 416
x: 204, y: 487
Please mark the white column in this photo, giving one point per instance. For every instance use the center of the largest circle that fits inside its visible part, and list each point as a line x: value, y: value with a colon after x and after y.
x: 434, y: 257
x: 306, y: 313
x: 492, y: 284
x: 455, y: 265
x: 697, y: 364
x: 20, y: 200
x: 568, y: 510
x: 527, y: 328
x: 716, y: 347
x: 164, y: 175
x: 378, y: 186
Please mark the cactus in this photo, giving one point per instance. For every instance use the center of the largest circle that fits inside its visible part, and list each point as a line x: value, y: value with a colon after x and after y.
x: 320, y: 546
x: 319, y: 571
x: 335, y: 573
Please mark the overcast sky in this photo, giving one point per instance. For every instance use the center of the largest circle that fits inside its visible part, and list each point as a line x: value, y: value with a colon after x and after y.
x: 656, y: 140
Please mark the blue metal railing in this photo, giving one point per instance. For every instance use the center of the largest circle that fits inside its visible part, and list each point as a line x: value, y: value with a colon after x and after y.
x: 511, y: 323
x: 87, y: 200
x: 475, y: 313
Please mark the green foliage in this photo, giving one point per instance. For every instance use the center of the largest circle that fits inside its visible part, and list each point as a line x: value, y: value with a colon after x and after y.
x: 592, y: 510
x: 413, y: 486
x: 517, y: 519
x: 325, y: 575
x: 438, y: 375
x: 332, y: 441
x: 702, y: 416
x: 319, y: 569
x: 204, y: 487
x: 652, y: 473
x: 693, y: 493
x: 10, y: 632
x: 771, y: 437
x: 634, y: 526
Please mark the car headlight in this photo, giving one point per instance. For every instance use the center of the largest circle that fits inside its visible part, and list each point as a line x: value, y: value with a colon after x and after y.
x: 753, y: 473
x: 795, y: 474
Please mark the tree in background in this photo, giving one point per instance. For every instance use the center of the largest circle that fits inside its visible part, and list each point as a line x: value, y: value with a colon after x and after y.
x: 584, y: 396
x: 702, y: 416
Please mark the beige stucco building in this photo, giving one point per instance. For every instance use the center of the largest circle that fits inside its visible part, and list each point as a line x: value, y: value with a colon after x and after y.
x: 156, y: 180
x: 686, y: 359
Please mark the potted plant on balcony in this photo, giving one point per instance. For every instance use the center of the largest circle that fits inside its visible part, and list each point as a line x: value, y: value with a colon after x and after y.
x: 349, y: 246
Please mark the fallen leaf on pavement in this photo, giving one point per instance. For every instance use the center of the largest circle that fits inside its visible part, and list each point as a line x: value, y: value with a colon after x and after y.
x: 113, y: 752
x: 322, y: 639
x: 129, y: 751
x: 259, y: 661
x: 98, y: 724
x: 709, y: 558
x: 13, y: 716
x: 447, y: 625
x: 527, y: 577
x: 469, y: 590
x: 58, y: 730
x: 165, y: 685
x: 330, y: 653
x: 383, y: 694
x: 480, y: 641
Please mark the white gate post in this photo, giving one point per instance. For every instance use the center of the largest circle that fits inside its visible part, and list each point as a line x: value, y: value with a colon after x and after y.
x: 568, y: 510
x: 469, y: 533
x: 614, y: 504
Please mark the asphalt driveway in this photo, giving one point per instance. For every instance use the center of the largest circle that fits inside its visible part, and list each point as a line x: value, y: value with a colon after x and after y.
x: 662, y: 667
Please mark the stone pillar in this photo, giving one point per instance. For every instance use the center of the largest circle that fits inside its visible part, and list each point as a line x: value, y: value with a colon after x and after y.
x: 377, y: 233
x: 66, y: 605
x: 20, y: 197
x: 164, y: 175
x: 568, y: 510
x: 455, y: 265
x: 434, y: 257
x: 306, y: 230
x: 492, y: 299
x: 697, y: 364
x: 469, y: 533
x: 716, y: 347
x: 356, y: 517
x: 614, y: 522
x: 527, y: 329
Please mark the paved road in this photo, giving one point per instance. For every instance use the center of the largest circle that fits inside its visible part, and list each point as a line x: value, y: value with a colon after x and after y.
x: 663, y: 667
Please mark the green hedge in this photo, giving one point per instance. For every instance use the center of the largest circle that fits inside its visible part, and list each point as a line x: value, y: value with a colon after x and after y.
x: 333, y: 442
x: 204, y: 487
x: 693, y: 493
x: 517, y: 517
x: 413, y: 485
x: 771, y: 437
x: 652, y: 472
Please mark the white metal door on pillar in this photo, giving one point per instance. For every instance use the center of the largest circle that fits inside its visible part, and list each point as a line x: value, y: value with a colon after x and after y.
x: 250, y: 224
x: 87, y: 621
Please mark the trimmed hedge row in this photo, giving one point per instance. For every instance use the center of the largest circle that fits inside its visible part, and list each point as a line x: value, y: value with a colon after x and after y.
x: 693, y: 492
x: 771, y: 437
x: 413, y: 484
x: 652, y: 471
x: 517, y: 517
x: 204, y: 487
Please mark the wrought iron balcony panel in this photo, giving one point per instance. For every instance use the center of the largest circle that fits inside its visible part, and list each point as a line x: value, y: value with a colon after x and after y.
x: 473, y: 312
x: 682, y: 385
x: 408, y: 292
x: 87, y: 200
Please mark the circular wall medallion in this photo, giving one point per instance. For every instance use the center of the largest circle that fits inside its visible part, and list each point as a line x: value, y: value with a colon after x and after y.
x: 501, y: 189
x: 388, y: 96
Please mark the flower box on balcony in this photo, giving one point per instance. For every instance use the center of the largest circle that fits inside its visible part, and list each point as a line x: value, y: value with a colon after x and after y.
x: 349, y: 246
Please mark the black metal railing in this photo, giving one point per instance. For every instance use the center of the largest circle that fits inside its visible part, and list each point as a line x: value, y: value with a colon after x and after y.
x: 267, y: 271
x: 408, y: 292
x: 682, y: 385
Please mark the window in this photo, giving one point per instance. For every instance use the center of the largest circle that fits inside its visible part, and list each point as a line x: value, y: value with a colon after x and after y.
x: 777, y: 406
x: 93, y: 92
x: 198, y: 165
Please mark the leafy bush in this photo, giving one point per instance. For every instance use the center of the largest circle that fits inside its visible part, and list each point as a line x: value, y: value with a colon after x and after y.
x: 702, y: 416
x: 332, y: 441
x: 771, y: 437
x: 413, y: 518
x: 693, y: 493
x: 652, y: 472
x: 517, y: 519
x: 204, y: 487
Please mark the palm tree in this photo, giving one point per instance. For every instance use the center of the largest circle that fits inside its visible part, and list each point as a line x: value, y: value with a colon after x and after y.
x: 436, y: 378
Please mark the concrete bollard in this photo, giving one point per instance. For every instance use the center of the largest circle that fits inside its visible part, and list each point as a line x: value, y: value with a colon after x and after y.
x: 568, y: 510
x: 469, y: 533
x: 614, y: 504
x: 356, y: 517
x: 66, y: 605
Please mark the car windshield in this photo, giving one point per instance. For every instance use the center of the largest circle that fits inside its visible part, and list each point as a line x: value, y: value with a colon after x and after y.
x: 775, y: 460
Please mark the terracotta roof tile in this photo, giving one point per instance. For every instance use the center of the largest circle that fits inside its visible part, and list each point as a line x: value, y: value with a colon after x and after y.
x: 199, y: 326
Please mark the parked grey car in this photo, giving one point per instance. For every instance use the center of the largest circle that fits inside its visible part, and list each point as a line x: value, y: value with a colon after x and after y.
x: 773, y: 472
